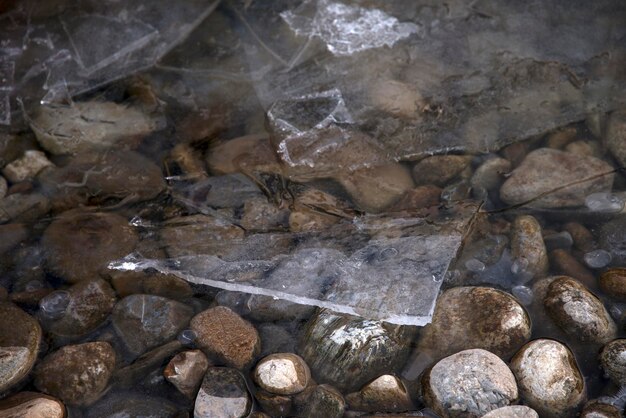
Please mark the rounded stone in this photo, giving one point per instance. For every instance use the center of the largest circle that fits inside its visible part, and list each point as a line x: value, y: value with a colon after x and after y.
x: 545, y: 179
x: 323, y: 401
x: 490, y: 175
x: 76, y: 374
x: 273, y: 404
x: 613, y: 360
x: 563, y: 262
x: 476, y: 317
x: 136, y: 282
x: 186, y: 370
x: 583, y: 238
x: 613, y: 283
x: 439, y: 169
x: 469, y: 384
x: 578, y: 311
x: 612, y: 238
x: 225, y: 336
x: 549, y: 378
x: 597, y: 409
x: 616, y: 135
x: 223, y: 393
x: 146, y: 321
x: 125, y: 404
x: 282, y: 374
x: 20, y: 336
x: 90, y: 302
x: 78, y: 245
x: 527, y: 244
x: 386, y: 393
x: 348, y: 352
x: 513, y: 411
x: 32, y: 405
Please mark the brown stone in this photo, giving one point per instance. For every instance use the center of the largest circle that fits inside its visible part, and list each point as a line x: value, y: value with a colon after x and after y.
x: 418, y: 198
x: 613, y: 283
x: 583, y: 238
x: 527, y: 244
x: 32, y: 405
x: 186, y: 370
x: 566, y: 264
x: 386, y: 393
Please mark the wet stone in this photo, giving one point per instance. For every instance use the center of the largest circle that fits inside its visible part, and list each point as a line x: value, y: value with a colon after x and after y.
x: 275, y: 339
x: 261, y: 215
x: 223, y: 393
x: 490, y: 175
x: 527, y: 245
x: 26, y: 167
x: 247, y: 154
x: 583, y: 238
x: 228, y: 191
x: 348, y: 351
x: 273, y: 404
x: 386, y: 393
x: 20, y: 336
x: 225, y: 336
x: 476, y: 317
x: 186, y: 371
x: 596, y: 409
x: 469, y: 384
x: 578, y: 311
x: 323, y: 401
x: 146, y: 321
x: 282, y: 374
x: 514, y: 411
x: 584, y: 148
x: 557, y: 240
x: 613, y: 360
x: 76, y: 374
x: 396, y: 98
x: 418, y: 198
x: 439, y: 169
x: 32, y: 405
x: 23, y: 207
x: 79, y: 245
x: 129, y: 404
x: 137, y: 282
x: 549, y: 379
x: 597, y: 259
x: 563, y: 262
x: 89, y: 302
x: 4, y: 187
x: 612, y: 238
x: 546, y: 170
x: 613, y: 283
x: 560, y: 138
x: 148, y: 364
x: 616, y: 136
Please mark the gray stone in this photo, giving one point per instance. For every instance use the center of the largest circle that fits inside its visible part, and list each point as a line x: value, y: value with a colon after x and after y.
x: 612, y: 238
x: 549, y: 178
x: 282, y: 374
x: 476, y: 317
x: 20, y: 336
x: 469, y: 384
x: 4, y: 187
x: 186, y: 370
x: 261, y: 215
x: 228, y: 191
x: 549, y: 379
x: 223, y: 393
x: 613, y: 360
x: 348, y: 352
x: 76, y: 374
x: 23, y: 207
x: 527, y: 246
x: 578, y: 311
x: 615, y: 138
x: 599, y: 409
x: 146, y: 321
x: 32, y: 405
x: 514, y: 411
x: 130, y: 405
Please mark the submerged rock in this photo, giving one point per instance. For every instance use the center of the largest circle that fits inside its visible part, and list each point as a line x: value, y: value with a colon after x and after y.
x: 549, y: 178
x: 613, y: 283
x: 616, y: 136
x: 223, y: 393
x: 26, y: 167
x: 613, y: 360
x: 439, y: 169
x: 612, y: 238
x: 386, y: 393
x: 282, y: 374
x: 186, y: 370
x: 32, y: 405
x: 527, y: 246
x: 322, y: 401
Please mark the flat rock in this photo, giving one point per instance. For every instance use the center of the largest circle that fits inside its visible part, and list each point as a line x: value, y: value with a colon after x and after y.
x: 552, y: 179
x: 32, y: 405
x: 476, y: 317
x: 76, y: 374
x: 79, y: 245
x: 146, y: 321
x: 469, y: 384
x: 20, y: 336
x: 549, y: 379
x: 225, y: 336
x: 223, y: 393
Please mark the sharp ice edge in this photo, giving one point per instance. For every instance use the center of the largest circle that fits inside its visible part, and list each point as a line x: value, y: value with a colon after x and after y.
x: 160, y: 266
x: 348, y: 29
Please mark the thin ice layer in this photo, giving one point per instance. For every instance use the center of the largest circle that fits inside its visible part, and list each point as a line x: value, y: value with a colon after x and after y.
x: 380, y: 268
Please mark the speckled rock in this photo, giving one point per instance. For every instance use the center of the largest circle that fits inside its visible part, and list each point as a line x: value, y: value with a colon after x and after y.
x: 615, y: 138
x: 439, y: 169
x: 32, y: 405
x: 613, y: 360
x: 90, y: 302
x: 476, y: 317
x: 282, y: 374
x: 20, y: 335
x: 578, y: 311
x: 146, y: 321
x: 26, y: 167
x: 223, y: 394
x: 76, y: 374
x: 78, y: 244
x: 323, y: 401
x: 545, y: 170
x: 514, y: 411
x: 348, y: 352
x: 612, y: 238
x: 613, y: 283
x: 549, y: 379
x: 527, y: 245
x: 469, y: 384
x: 226, y: 337
x: 186, y: 371
x: 597, y: 409
x: 386, y: 393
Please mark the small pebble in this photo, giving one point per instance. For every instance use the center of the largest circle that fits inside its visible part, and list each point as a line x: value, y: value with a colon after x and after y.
x: 223, y: 393
x: 524, y: 294
x: 439, y: 169
x: 613, y: 360
x: 282, y: 374
x: 613, y: 283
x: 597, y: 259
x: 549, y: 379
x: 186, y: 371
x: 561, y: 239
x: 565, y: 263
x: 273, y: 404
x: 26, y: 167
x: 604, y: 202
x: 583, y: 238
x: 527, y: 244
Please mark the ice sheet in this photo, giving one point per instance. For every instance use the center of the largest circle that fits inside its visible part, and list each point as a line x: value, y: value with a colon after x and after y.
x: 378, y: 267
